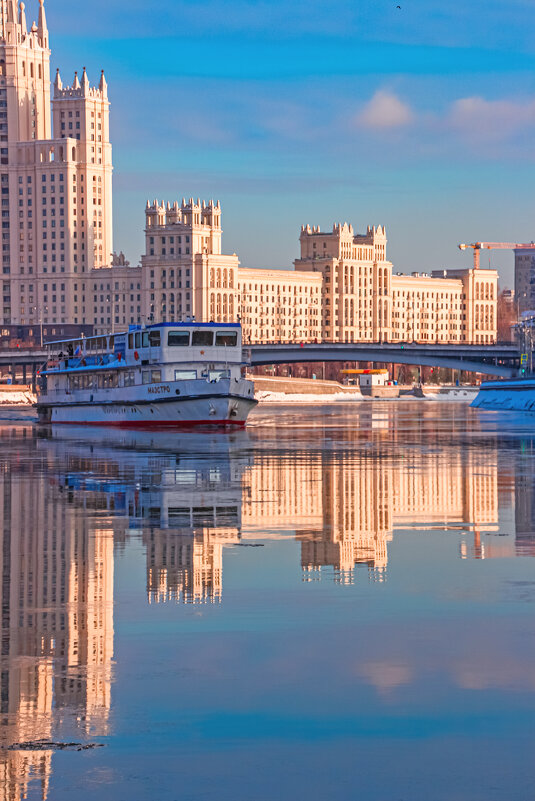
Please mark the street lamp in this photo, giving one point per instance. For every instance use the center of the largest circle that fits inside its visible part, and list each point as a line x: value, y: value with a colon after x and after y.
x: 39, y: 310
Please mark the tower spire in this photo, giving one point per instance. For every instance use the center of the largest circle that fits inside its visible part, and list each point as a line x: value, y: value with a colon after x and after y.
x: 41, y: 24
x: 85, y: 83
x: 76, y: 82
x: 22, y: 20
x: 103, y: 86
x: 58, y: 83
x: 12, y: 11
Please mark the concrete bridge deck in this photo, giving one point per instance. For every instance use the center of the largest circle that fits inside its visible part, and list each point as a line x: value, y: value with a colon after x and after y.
x: 499, y: 360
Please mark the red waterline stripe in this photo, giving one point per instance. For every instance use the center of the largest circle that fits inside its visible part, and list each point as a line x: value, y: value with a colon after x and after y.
x: 147, y: 424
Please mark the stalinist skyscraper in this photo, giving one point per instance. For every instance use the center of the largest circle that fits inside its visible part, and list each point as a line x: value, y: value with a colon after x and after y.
x: 55, y: 179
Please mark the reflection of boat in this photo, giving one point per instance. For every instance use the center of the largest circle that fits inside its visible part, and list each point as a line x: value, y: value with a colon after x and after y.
x: 171, y: 374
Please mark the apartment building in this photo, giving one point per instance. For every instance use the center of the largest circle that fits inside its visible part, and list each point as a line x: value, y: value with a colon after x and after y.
x: 342, y: 288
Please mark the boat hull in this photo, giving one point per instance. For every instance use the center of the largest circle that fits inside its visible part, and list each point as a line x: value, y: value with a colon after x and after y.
x: 512, y: 395
x: 173, y: 412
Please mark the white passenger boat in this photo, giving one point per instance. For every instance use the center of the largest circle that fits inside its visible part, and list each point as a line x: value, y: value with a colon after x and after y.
x: 171, y: 374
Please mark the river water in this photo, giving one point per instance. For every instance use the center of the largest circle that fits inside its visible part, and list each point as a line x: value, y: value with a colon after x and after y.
x: 337, y: 603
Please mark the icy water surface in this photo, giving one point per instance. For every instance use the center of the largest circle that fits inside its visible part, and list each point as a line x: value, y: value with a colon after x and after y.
x: 337, y: 603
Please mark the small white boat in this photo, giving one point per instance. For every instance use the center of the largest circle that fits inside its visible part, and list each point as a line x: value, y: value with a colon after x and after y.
x: 167, y: 374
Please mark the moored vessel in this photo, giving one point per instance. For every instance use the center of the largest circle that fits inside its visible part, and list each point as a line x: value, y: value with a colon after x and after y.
x: 167, y: 374
x: 514, y: 394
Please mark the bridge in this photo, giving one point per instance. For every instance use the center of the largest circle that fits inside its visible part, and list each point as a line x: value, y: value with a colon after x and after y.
x: 501, y: 360
x: 497, y: 360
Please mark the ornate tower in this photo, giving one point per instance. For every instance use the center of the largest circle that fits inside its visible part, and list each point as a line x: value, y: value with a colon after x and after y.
x: 82, y: 113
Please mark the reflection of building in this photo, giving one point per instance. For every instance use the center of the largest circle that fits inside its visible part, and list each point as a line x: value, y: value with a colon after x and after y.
x: 184, y: 567
x: 344, y: 508
x: 56, y: 583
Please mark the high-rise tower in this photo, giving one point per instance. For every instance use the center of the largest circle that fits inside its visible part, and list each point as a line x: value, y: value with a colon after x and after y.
x: 55, y: 185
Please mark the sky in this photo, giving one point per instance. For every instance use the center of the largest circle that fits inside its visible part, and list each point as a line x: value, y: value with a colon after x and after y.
x: 290, y: 112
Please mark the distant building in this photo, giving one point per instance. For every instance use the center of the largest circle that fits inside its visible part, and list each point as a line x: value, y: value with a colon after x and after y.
x: 342, y: 287
x: 524, y: 280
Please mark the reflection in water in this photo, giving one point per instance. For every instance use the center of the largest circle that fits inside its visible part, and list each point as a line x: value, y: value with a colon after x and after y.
x: 341, y: 490
x: 57, y: 613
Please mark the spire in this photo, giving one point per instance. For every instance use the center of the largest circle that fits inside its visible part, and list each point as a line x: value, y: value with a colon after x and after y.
x: 58, y: 83
x: 85, y: 83
x: 22, y: 19
x: 103, y: 85
x: 11, y: 10
x: 76, y: 82
x: 41, y: 26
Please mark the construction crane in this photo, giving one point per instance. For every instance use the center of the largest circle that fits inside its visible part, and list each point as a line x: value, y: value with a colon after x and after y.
x: 479, y: 246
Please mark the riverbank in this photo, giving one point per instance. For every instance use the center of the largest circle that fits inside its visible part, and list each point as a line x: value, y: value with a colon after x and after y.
x: 16, y: 395
x: 281, y: 389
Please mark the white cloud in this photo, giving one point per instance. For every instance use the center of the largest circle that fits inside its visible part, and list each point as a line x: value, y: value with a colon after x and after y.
x: 385, y: 110
x: 491, y: 119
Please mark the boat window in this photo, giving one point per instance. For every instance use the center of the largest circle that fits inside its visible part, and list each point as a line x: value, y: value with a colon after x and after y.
x: 154, y: 339
x: 178, y: 338
x: 156, y: 376
x: 111, y: 343
x: 228, y: 338
x: 215, y: 375
x: 146, y: 376
x: 129, y: 378
x: 130, y: 341
x: 185, y: 375
x: 138, y: 339
x: 205, y: 338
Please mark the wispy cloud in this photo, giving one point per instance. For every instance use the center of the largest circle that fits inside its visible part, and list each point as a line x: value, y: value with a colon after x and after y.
x: 385, y: 110
x: 479, y: 118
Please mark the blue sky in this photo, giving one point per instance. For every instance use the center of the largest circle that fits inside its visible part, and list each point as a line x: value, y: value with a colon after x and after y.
x: 421, y: 118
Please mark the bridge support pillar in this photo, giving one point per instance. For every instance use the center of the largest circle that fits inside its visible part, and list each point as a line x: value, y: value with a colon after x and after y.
x: 24, y: 374
x: 13, y: 369
x: 34, y: 377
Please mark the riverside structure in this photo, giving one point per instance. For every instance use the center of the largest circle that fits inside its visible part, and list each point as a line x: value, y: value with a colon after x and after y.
x: 57, y: 261
x: 342, y: 288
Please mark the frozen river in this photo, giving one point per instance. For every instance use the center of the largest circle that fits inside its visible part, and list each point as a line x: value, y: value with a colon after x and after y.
x: 337, y: 603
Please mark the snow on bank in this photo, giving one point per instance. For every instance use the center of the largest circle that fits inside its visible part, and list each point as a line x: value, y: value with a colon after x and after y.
x: 14, y: 398
x: 466, y: 395
x: 281, y: 397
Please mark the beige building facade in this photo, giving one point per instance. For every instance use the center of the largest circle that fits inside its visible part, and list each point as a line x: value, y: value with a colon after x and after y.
x: 342, y: 288
x: 56, y: 188
x: 57, y: 244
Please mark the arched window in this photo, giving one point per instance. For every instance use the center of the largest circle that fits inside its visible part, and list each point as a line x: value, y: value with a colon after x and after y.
x: 74, y: 154
x: 39, y: 72
x: 24, y: 68
x: 31, y: 70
